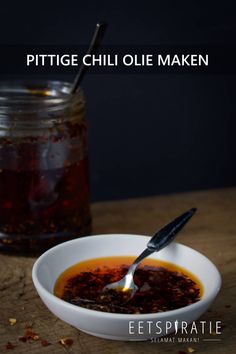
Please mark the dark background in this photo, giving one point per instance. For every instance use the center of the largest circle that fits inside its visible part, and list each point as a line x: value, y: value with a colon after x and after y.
x: 149, y: 134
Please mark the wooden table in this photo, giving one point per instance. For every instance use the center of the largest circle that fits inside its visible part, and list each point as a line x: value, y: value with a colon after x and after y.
x: 212, y: 231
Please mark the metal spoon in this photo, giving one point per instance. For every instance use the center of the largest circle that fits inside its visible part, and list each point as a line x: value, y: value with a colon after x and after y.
x: 95, y: 43
x: 160, y: 239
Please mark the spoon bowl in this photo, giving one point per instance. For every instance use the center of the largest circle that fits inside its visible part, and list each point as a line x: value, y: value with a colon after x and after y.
x: 162, y: 238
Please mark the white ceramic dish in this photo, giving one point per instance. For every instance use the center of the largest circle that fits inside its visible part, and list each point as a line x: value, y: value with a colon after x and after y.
x: 121, y: 326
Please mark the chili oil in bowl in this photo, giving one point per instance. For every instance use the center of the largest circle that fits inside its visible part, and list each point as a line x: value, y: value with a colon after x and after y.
x: 175, y: 284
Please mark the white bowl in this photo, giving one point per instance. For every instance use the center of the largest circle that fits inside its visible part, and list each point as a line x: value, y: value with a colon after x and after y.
x: 122, y: 326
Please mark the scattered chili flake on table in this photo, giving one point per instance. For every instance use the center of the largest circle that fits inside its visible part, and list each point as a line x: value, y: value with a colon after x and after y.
x: 12, y: 321
x: 66, y: 342
x: 181, y: 352
x: 45, y: 342
x: 30, y: 334
x: 10, y: 346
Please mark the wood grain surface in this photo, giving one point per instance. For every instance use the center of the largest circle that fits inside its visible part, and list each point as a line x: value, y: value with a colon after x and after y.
x: 212, y: 231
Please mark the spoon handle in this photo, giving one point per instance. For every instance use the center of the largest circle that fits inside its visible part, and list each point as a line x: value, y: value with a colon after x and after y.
x: 95, y: 43
x: 168, y: 232
x: 163, y: 237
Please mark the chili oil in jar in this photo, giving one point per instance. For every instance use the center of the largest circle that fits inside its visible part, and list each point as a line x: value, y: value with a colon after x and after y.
x: 44, y: 184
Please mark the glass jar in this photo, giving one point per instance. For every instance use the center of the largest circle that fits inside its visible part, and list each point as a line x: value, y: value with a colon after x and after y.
x: 44, y: 187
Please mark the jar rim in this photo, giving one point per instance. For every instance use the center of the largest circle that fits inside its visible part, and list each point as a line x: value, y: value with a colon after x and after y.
x: 30, y: 96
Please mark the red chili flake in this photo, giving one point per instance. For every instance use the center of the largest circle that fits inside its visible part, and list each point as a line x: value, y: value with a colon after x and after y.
x: 45, y: 342
x: 66, y: 342
x: 181, y: 352
x: 22, y: 339
x: 9, y: 345
x: 30, y: 334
